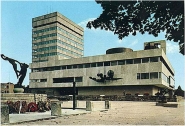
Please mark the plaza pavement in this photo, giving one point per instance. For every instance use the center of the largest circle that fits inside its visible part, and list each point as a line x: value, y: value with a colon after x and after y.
x: 121, y: 113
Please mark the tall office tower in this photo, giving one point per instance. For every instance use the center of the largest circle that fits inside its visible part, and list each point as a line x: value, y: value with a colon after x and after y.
x: 54, y: 34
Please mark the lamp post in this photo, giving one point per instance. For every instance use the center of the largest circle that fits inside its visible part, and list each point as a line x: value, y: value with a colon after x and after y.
x: 74, y: 94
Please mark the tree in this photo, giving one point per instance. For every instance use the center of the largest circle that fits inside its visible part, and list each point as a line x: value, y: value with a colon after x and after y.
x: 127, y: 17
x: 179, y: 91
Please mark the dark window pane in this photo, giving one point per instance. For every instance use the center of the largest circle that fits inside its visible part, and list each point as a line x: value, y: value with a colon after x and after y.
x: 153, y: 75
x: 43, y: 80
x: 138, y: 76
x: 69, y: 67
x: 93, y: 64
x: 113, y: 63
x: 129, y: 61
x: 137, y: 61
x: 144, y: 75
x: 154, y: 59
x: 78, y: 79
x: 63, y: 80
x: 57, y: 67
x: 145, y: 60
x: 121, y: 62
x: 80, y: 66
x: 87, y: 65
x: 63, y: 67
x: 99, y: 64
x: 74, y: 66
x: 107, y: 63
x: 50, y: 69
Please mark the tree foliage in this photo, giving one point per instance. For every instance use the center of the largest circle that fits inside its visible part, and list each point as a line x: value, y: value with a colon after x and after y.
x: 127, y: 17
x: 179, y: 91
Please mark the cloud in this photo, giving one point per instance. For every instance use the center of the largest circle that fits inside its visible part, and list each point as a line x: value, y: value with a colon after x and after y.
x: 84, y: 23
x: 172, y: 48
x: 134, y: 42
x: 121, y: 41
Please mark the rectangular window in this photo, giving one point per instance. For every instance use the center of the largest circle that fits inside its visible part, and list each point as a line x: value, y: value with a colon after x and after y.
x: 154, y: 75
x: 57, y: 67
x: 107, y: 63
x: 50, y: 69
x: 163, y: 76
x: 129, y: 61
x: 75, y: 66
x: 145, y: 60
x: 78, y: 79
x: 63, y: 67
x: 63, y: 80
x: 93, y: 64
x: 161, y: 59
x: 80, y: 66
x: 144, y: 75
x: 154, y: 59
x: 171, y: 81
x: 137, y: 61
x: 114, y: 63
x: 43, y: 80
x: 87, y: 65
x: 69, y: 67
x: 138, y: 76
x: 121, y: 62
x: 99, y: 64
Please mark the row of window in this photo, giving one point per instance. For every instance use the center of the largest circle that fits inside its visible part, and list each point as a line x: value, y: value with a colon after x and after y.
x: 106, y: 63
x: 60, y: 29
x: 69, y: 51
x: 55, y: 47
x: 45, y: 49
x: 64, y: 55
x: 60, y: 80
x: 69, y: 34
x: 59, y: 41
x: 70, y: 40
x: 156, y: 75
x: 45, y: 36
x: 153, y: 75
x: 45, y: 42
x: 100, y: 64
x: 45, y: 30
x: 44, y: 55
x: 50, y: 54
x: 60, y: 36
x: 72, y: 47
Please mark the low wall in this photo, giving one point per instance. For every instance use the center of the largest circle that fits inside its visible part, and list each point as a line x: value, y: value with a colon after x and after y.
x: 28, y: 97
x: 179, y: 98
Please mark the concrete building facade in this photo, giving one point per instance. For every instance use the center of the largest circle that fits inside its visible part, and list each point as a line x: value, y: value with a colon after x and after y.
x: 118, y: 72
x: 54, y: 34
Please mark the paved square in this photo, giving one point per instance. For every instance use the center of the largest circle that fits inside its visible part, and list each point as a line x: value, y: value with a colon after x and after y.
x: 121, y: 113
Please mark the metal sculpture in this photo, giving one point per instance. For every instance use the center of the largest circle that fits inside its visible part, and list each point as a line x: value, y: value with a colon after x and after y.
x: 20, y: 74
x: 103, y: 78
x: 11, y: 61
x: 161, y: 95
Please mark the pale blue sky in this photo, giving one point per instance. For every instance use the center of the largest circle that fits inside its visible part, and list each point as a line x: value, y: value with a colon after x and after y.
x: 16, y: 34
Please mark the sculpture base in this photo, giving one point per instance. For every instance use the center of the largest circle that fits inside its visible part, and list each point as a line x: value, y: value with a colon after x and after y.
x: 18, y: 90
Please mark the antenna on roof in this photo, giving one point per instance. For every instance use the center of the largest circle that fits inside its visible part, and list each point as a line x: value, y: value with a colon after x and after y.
x: 50, y: 9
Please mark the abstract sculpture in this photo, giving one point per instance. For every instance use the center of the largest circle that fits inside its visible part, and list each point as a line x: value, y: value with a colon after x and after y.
x: 20, y: 74
x: 103, y: 78
x: 161, y: 95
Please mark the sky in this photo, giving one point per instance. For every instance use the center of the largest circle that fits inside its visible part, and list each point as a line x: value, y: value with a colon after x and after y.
x: 16, y: 34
